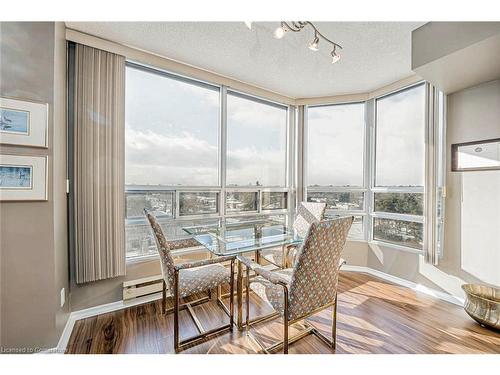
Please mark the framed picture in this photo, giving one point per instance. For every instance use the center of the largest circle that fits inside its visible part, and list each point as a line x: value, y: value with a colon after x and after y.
x: 23, y: 178
x: 23, y: 123
x: 476, y: 156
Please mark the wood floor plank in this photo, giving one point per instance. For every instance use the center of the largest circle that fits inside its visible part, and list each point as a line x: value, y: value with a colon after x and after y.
x: 374, y: 316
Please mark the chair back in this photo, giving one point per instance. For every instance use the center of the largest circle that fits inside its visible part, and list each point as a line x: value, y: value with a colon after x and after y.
x: 316, y: 272
x: 162, y: 245
x: 308, y: 213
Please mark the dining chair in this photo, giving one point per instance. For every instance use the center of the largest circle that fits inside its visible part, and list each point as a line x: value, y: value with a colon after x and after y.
x: 307, y: 213
x: 307, y: 288
x: 190, y: 278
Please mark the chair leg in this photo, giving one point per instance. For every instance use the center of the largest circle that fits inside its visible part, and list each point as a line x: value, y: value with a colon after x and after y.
x: 285, y: 323
x: 334, y: 324
x: 176, y: 312
x: 247, y: 303
x: 239, y: 291
x: 231, y: 298
x: 164, y: 298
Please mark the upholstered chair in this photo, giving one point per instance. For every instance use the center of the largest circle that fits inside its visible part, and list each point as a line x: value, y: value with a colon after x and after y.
x: 189, y: 278
x: 307, y: 288
x: 307, y: 213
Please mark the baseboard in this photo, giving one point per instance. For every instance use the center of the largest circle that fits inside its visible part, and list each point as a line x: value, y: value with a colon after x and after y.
x: 98, y: 310
x: 118, y: 305
x: 406, y: 283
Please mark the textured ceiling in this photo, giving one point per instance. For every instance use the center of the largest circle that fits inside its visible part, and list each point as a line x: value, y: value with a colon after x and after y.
x: 374, y: 54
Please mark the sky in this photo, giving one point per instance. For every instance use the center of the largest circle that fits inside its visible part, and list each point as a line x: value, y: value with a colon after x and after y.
x: 171, y: 135
x: 172, y: 130
x: 335, y: 142
x: 400, y: 139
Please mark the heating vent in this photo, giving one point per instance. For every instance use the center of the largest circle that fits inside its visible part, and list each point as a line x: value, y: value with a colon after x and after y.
x: 142, y: 287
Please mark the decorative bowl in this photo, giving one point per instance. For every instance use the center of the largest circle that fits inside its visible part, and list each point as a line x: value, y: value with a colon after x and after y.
x: 483, y: 304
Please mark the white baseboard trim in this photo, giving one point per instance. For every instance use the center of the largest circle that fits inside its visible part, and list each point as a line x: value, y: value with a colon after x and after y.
x: 98, y: 310
x: 118, y: 305
x: 406, y: 283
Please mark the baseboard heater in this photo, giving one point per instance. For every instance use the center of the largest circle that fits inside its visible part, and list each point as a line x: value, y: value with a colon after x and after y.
x: 142, y: 287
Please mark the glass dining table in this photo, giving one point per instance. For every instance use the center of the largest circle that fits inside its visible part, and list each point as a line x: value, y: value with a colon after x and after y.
x: 238, y: 236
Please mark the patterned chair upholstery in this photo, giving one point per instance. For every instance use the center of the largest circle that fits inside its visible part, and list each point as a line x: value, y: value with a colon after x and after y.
x: 311, y: 285
x: 190, y: 277
x: 307, y: 213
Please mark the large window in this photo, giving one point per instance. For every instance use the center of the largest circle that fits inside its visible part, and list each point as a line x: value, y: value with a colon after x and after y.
x: 174, y: 164
x: 376, y: 176
x: 335, y: 160
x: 256, y: 142
x: 171, y: 131
x: 398, y: 198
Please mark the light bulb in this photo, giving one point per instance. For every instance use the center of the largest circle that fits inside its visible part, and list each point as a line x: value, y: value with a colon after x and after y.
x: 248, y: 24
x: 279, y: 32
x: 313, y: 46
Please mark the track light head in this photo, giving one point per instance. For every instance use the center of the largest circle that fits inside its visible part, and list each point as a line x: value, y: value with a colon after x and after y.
x: 313, y: 46
x: 280, y: 32
x: 335, y: 56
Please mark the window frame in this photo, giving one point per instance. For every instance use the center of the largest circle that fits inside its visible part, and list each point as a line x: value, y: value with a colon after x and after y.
x: 222, y: 188
x: 373, y: 188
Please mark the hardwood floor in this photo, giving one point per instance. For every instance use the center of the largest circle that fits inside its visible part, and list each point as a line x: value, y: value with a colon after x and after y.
x: 374, y: 317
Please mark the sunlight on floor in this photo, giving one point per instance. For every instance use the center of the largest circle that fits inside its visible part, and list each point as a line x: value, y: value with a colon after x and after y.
x: 391, y: 293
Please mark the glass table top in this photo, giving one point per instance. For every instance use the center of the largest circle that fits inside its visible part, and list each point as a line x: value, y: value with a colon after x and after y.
x: 239, y: 236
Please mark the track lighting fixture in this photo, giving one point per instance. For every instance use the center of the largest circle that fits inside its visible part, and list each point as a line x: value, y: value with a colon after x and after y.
x: 296, y: 26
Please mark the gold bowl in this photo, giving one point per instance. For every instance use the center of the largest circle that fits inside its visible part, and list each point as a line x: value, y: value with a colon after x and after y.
x: 483, y: 304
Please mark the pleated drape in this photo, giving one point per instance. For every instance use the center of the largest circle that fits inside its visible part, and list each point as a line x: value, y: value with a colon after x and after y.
x: 99, y: 101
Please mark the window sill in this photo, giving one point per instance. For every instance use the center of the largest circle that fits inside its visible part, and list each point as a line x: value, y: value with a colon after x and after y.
x: 396, y: 247
x: 141, y: 259
x: 156, y: 257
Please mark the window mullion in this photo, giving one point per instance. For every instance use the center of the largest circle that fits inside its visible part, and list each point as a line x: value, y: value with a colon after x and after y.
x: 222, y: 150
x: 370, y: 166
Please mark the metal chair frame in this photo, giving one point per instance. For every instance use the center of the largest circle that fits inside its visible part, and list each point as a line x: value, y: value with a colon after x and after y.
x: 180, y: 345
x: 309, y: 329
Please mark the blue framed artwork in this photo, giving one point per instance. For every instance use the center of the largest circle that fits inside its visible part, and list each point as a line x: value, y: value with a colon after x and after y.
x: 23, y: 178
x: 16, y: 177
x: 23, y: 123
x: 14, y: 121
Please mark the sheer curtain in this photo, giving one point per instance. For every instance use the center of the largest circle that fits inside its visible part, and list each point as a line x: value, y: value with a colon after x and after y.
x: 98, y: 144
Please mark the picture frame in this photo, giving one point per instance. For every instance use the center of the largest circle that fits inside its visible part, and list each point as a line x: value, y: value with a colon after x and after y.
x: 476, y: 156
x: 23, y: 123
x: 23, y: 178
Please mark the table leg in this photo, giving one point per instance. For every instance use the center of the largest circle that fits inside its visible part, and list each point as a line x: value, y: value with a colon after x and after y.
x: 239, y: 291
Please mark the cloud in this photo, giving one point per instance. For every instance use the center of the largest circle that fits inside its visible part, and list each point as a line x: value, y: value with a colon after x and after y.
x: 153, y: 158
x: 158, y: 159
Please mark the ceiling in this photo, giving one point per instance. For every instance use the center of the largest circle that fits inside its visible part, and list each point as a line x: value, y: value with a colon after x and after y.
x: 374, y: 54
